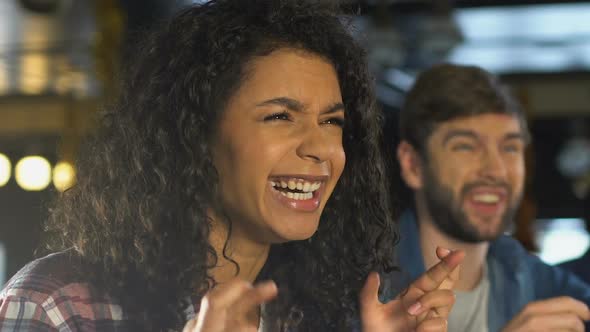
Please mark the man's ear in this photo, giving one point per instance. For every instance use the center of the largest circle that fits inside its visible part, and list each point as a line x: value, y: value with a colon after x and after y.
x: 410, y: 165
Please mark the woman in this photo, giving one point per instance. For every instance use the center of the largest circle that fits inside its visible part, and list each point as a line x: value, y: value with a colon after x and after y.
x: 236, y: 123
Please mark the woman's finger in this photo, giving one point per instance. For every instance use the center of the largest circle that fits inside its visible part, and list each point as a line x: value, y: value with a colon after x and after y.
x: 442, y: 252
x: 432, y: 279
x: 224, y: 295
x: 439, y: 301
x: 450, y: 281
x: 257, y: 295
x: 370, y: 293
x: 190, y: 325
x: 215, y: 304
x: 438, y: 324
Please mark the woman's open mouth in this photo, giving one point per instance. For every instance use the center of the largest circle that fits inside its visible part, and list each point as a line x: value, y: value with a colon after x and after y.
x: 296, y: 189
x: 298, y: 193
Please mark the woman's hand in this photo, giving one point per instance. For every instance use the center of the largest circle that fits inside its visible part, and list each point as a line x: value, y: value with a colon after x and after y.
x: 424, y: 306
x: 232, y: 307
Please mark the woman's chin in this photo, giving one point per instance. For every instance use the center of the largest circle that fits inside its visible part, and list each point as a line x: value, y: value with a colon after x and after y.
x: 298, y: 232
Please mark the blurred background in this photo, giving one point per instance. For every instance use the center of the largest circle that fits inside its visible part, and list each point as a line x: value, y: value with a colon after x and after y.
x: 59, y: 61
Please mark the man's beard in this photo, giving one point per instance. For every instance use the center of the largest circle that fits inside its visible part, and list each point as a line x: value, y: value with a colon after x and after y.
x: 447, y: 214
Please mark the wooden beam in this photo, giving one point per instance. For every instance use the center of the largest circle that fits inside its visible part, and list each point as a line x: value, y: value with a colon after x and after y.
x: 26, y: 115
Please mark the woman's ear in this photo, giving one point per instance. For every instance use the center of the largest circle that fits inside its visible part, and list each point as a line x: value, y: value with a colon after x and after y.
x: 410, y: 165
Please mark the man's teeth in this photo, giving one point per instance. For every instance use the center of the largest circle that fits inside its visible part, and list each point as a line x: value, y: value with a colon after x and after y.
x: 486, y: 198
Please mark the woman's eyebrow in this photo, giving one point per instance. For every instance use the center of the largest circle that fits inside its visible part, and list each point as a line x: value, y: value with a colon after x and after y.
x: 289, y: 103
x: 334, y: 108
x: 297, y: 106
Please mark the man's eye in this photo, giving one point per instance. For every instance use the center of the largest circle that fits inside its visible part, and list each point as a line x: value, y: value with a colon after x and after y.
x: 278, y: 116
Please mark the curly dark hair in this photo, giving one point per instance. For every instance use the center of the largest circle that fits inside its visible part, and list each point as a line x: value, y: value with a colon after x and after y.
x: 137, y: 215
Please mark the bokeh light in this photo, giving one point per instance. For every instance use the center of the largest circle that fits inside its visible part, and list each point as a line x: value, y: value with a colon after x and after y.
x: 33, y: 173
x: 5, y: 170
x: 64, y: 176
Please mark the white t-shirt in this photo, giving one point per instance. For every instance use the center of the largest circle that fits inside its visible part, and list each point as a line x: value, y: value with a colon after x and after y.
x: 261, y: 321
x: 470, y: 312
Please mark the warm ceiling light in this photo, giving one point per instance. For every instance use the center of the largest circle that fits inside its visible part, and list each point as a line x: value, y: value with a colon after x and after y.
x: 64, y: 175
x: 5, y: 170
x: 33, y: 173
x: 35, y: 69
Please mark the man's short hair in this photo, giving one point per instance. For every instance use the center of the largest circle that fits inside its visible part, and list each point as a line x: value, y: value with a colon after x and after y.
x: 447, y: 91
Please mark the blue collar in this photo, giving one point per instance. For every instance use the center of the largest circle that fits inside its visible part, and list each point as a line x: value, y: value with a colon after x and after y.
x: 506, y: 250
x: 409, y: 252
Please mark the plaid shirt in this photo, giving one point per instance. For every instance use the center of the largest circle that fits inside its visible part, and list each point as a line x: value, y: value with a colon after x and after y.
x: 46, y: 296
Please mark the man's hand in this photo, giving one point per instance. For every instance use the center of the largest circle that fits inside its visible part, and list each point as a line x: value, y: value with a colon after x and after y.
x: 229, y: 307
x: 425, y: 305
x: 555, y: 314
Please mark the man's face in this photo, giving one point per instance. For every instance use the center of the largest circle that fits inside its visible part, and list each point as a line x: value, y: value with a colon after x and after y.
x: 473, y: 176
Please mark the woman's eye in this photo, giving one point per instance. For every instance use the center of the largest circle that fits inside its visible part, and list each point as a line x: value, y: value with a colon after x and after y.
x: 278, y: 116
x: 512, y: 148
x: 335, y: 121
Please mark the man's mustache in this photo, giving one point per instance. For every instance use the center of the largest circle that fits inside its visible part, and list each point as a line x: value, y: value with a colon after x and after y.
x: 498, y: 184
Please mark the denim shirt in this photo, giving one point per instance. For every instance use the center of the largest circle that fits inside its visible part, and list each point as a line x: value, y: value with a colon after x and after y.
x: 579, y: 266
x: 516, y: 277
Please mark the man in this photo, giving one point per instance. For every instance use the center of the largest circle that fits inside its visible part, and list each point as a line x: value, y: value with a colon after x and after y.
x: 462, y: 154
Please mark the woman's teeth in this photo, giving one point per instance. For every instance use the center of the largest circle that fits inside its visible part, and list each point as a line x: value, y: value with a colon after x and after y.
x: 297, y: 196
x: 304, y: 189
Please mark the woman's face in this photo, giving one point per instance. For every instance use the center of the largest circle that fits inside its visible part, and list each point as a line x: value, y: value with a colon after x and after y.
x: 278, y: 147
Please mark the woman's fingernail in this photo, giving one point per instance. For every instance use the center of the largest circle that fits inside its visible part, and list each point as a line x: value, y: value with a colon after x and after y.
x: 445, y: 251
x: 414, y: 309
x: 267, y: 285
